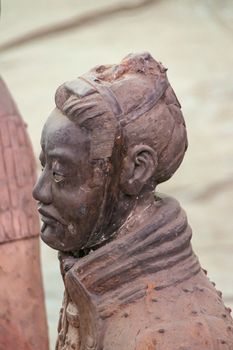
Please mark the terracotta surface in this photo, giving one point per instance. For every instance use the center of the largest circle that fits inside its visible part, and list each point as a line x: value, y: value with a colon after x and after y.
x: 22, y: 318
x: 17, y: 174
x: 195, y: 43
x: 131, y: 278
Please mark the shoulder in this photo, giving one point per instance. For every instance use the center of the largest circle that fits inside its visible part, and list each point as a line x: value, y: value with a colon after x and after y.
x: 164, y: 200
x: 203, y: 333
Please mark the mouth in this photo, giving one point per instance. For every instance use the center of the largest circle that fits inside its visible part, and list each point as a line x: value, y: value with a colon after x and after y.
x: 48, y: 219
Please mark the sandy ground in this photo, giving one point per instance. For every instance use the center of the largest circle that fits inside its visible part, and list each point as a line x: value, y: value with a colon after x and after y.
x: 194, y: 40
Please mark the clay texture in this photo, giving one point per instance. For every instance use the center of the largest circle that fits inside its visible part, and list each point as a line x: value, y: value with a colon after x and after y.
x: 132, y: 280
x: 23, y: 323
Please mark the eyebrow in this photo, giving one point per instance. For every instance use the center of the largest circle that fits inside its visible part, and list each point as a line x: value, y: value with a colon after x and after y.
x: 63, y: 155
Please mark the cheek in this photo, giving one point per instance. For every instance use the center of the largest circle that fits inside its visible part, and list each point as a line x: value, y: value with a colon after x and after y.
x: 89, y: 202
x: 81, y: 204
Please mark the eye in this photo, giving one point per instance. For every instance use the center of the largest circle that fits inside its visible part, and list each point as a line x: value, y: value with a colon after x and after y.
x: 58, y: 177
x: 42, y: 160
x: 42, y: 165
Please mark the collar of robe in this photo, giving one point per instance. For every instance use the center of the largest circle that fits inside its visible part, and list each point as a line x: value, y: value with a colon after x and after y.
x: 157, y: 256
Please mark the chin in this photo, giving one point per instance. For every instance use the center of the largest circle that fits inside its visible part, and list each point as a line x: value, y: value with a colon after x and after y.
x: 50, y: 242
x: 57, y: 238
x: 53, y: 237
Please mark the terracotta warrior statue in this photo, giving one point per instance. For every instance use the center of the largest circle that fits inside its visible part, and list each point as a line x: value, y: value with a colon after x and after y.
x: 132, y: 281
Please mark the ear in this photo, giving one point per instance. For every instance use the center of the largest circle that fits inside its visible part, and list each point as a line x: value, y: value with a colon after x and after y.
x: 138, y: 167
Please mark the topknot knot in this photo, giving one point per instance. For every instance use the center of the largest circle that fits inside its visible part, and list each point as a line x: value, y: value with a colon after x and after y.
x: 134, y: 63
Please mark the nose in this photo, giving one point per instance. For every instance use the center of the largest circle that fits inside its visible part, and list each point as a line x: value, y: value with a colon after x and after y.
x: 42, y: 189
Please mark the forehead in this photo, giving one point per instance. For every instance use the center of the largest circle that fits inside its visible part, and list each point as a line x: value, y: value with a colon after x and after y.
x: 62, y: 137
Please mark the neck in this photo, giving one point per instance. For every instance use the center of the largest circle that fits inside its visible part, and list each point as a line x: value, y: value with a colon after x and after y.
x: 129, y: 214
x: 115, y: 217
x: 143, y: 209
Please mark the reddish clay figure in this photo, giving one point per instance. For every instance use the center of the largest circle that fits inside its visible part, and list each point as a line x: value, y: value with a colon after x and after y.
x: 132, y: 281
x: 23, y: 323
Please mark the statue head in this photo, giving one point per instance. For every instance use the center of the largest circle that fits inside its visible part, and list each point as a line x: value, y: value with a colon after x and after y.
x: 115, y: 134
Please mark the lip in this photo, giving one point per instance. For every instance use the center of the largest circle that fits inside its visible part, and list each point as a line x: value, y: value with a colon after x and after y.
x: 49, y: 218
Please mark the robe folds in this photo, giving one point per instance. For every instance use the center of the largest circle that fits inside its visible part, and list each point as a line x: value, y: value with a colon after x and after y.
x: 145, y: 290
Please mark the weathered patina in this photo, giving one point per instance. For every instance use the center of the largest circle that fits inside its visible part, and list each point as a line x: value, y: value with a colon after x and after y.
x: 131, y: 278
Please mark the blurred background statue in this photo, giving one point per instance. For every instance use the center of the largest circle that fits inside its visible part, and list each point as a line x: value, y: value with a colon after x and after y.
x: 131, y: 278
x: 23, y: 323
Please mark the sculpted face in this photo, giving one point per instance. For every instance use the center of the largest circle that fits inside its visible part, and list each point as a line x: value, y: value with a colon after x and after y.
x: 127, y: 118
x: 69, y: 190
